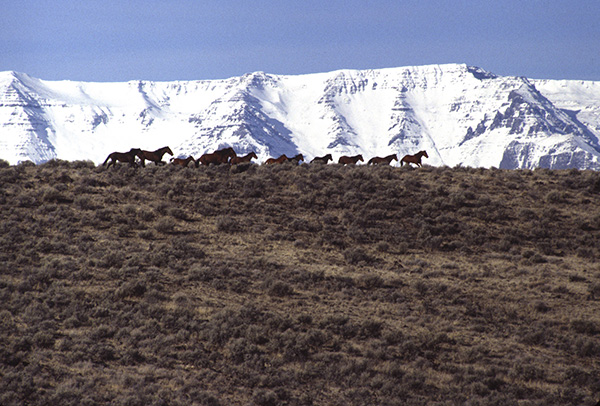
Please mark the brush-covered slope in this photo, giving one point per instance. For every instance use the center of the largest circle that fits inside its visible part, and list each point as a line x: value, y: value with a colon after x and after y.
x: 298, y: 285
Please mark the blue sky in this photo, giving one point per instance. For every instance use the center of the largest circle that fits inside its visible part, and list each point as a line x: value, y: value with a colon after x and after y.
x: 118, y: 40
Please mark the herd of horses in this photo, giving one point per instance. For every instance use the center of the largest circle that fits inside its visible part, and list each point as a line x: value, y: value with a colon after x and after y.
x: 228, y: 156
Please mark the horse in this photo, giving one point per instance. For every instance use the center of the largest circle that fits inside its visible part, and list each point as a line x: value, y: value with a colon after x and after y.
x: 414, y: 159
x: 296, y: 160
x: 183, y: 162
x: 208, y: 159
x: 241, y: 159
x: 386, y: 161
x: 155, y: 156
x: 225, y: 154
x: 322, y: 159
x: 128, y: 157
x: 279, y: 160
x: 218, y: 157
x: 350, y: 160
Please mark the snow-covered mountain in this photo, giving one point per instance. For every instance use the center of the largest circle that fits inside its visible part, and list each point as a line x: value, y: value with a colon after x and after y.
x: 461, y: 115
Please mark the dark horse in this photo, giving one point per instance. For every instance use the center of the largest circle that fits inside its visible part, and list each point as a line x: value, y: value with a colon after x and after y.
x: 296, y: 160
x: 241, y: 159
x: 385, y: 161
x: 208, y: 159
x: 128, y: 157
x: 350, y: 160
x: 218, y: 157
x: 279, y: 160
x: 183, y: 162
x: 414, y: 159
x: 225, y: 154
x: 156, y: 156
x: 322, y: 159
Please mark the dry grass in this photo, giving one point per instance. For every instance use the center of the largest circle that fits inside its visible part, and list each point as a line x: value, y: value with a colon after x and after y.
x: 298, y: 285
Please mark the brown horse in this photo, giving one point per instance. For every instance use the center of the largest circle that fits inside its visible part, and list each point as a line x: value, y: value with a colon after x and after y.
x: 414, y: 159
x: 382, y: 161
x: 279, y: 160
x: 218, y: 157
x: 322, y: 159
x: 208, y: 159
x: 350, y: 160
x: 128, y: 157
x: 225, y: 154
x: 296, y: 160
x: 241, y: 159
x: 183, y: 162
x: 156, y: 156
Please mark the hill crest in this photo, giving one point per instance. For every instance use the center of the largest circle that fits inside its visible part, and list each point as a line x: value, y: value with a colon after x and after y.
x: 462, y: 115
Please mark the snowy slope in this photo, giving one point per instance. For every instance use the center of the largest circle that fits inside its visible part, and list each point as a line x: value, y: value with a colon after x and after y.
x: 461, y: 115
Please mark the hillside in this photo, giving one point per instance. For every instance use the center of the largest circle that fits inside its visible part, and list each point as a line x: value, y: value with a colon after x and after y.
x: 460, y: 114
x: 298, y: 285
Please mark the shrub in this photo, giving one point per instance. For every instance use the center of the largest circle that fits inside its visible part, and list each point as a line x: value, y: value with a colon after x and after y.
x: 43, y: 339
x: 588, y: 327
x: 227, y: 224
x: 147, y: 234
x: 356, y: 255
x: 554, y: 197
x: 179, y: 214
x: 165, y: 226
x: 131, y: 289
x: 370, y: 281
x: 279, y: 288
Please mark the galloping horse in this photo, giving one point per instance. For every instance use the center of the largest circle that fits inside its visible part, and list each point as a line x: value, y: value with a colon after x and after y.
x: 155, y: 156
x: 279, y: 160
x: 218, y: 157
x: 241, y: 159
x: 322, y: 159
x: 208, y: 159
x: 350, y: 160
x: 225, y: 154
x: 386, y: 161
x: 128, y: 157
x: 414, y: 159
x: 296, y: 160
x: 183, y: 162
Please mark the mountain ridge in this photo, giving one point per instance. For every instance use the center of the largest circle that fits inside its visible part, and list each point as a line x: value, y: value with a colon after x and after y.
x: 460, y: 114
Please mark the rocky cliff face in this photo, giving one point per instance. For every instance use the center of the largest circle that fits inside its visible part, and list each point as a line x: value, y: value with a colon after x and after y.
x: 461, y: 115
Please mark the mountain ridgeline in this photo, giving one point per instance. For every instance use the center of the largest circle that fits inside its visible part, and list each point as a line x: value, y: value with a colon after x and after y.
x: 462, y: 115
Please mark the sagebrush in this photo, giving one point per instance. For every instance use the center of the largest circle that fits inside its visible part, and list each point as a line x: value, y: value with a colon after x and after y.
x: 298, y: 285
